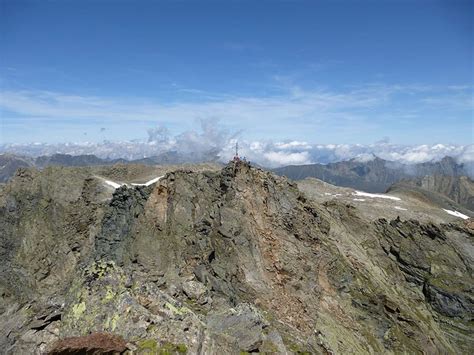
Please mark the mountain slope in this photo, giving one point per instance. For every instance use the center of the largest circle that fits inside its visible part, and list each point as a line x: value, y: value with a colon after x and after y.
x: 375, y: 175
x: 10, y: 163
x: 460, y: 189
x: 69, y: 160
x: 225, y: 261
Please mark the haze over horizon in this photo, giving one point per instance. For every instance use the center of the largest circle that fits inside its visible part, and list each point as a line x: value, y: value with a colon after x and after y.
x: 292, y: 74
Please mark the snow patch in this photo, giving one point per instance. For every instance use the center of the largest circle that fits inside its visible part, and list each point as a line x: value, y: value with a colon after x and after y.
x: 113, y: 184
x: 366, y: 194
x: 333, y: 195
x: 400, y: 208
x: 148, y: 183
x: 456, y: 214
x: 359, y: 199
x: 116, y: 185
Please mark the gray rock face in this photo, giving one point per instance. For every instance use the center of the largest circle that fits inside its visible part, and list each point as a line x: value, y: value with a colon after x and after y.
x: 194, y: 290
x: 447, y: 302
x: 114, y: 238
x: 243, y: 326
x: 237, y: 260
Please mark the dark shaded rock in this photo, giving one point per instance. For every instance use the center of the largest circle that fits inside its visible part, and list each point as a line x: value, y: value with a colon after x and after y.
x: 448, y: 303
x: 124, y: 208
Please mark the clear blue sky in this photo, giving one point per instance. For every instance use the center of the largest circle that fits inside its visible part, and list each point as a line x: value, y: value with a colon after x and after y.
x: 319, y: 71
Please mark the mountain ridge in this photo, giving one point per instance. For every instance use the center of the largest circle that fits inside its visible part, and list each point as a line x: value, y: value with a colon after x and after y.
x: 375, y: 175
x: 459, y: 189
x: 226, y: 261
x: 446, y: 166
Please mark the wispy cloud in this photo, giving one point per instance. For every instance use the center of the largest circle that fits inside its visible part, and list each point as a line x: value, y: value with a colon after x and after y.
x: 293, y: 109
x: 294, y: 102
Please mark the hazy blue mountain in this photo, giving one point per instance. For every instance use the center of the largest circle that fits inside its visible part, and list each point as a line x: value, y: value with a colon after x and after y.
x: 375, y: 175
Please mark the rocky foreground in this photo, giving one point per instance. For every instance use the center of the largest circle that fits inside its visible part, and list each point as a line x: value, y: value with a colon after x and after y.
x: 230, y: 261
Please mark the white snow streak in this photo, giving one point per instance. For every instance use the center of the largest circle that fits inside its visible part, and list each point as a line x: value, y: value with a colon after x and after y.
x: 333, y: 195
x: 116, y: 185
x: 456, y: 214
x: 152, y: 181
x: 366, y: 194
x: 359, y: 199
x: 400, y: 208
x: 113, y: 184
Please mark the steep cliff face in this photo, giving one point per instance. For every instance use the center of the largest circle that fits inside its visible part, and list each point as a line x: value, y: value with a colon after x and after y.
x: 224, y: 262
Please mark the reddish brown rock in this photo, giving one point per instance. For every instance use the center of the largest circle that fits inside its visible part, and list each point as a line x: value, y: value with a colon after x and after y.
x: 95, y: 343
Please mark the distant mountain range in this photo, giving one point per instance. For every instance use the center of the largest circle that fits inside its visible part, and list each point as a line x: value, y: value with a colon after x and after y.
x: 9, y: 163
x: 375, y: 175
x: 459, y: 189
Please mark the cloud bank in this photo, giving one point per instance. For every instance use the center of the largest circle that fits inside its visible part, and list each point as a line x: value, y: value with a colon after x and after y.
x: 214, y: 143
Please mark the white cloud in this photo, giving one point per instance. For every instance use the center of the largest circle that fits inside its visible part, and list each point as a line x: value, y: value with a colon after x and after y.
x: 283, y: 158
x: 294, y: 105
x: 467, y: 154
x: 364, y: 157
x: 211, y: 141
x: 293, y: 145
x: 422, y: 153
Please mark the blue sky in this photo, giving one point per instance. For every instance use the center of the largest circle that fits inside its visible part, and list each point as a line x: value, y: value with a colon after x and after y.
x: 316, y: 71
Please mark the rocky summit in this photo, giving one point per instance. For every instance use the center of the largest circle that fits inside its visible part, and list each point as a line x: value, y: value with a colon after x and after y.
x: 229, y: 261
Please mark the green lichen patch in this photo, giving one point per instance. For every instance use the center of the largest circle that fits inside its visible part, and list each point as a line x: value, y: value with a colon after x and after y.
x: 78, y: 310
x: 171, y: 349
x: 151, y: 346
x: 147, y: 346
x: 179, y: 311
x: 109, y: 295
